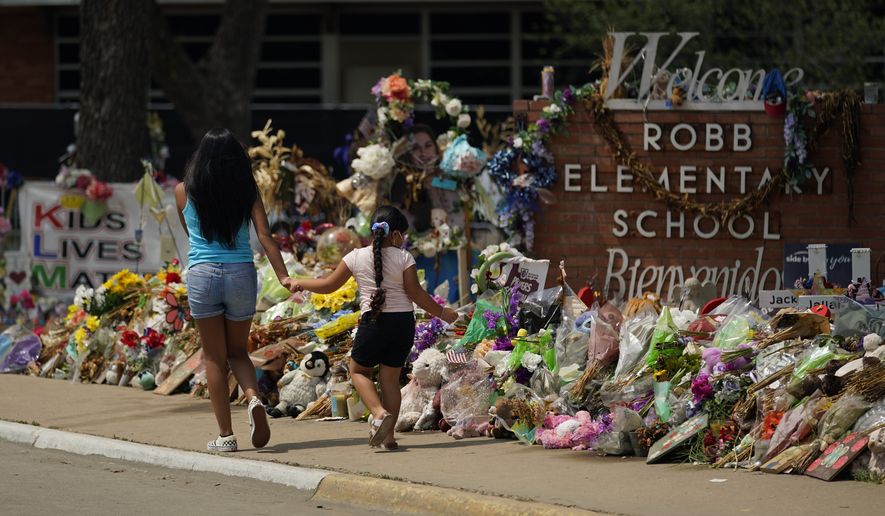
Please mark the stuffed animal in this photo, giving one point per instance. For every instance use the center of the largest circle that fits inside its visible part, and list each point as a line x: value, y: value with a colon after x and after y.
x: 579, y: 432
x: 301, y: 386
x: 429, y: 371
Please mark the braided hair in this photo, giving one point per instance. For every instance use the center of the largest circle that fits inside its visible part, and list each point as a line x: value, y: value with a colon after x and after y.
x: 386, y: 220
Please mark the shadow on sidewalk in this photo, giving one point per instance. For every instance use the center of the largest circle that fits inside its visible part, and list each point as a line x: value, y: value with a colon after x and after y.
x: 310, y: 445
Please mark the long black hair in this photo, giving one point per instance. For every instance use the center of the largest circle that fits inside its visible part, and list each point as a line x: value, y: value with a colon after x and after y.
x: 220, y: 184
x: 395, y: 221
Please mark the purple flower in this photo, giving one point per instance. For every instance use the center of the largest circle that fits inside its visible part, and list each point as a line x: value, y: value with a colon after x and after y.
x: 568, y: 96
x: 522, y: 375
x: 376, y: 89
x: 492, y: 318
x: 543, y: 125
x: 502, y: 344
x: 701, y: 389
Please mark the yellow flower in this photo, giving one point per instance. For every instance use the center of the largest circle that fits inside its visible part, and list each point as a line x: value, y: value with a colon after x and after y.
x: 80, y: 338
x: 92, y: 323
x: 661, y: 375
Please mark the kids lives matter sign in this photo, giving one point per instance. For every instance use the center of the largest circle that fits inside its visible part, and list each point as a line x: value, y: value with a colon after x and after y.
x: 67, y: 250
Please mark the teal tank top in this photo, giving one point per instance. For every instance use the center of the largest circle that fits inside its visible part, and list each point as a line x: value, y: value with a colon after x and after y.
x: 203, y: 251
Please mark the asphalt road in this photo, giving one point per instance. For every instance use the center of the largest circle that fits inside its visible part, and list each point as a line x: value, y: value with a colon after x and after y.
x: 35, y: 481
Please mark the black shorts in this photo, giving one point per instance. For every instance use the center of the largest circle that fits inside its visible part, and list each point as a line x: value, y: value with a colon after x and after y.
x: 387, y: 341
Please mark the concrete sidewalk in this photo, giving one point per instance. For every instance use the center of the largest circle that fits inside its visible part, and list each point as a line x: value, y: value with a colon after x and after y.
x: 502, y: 468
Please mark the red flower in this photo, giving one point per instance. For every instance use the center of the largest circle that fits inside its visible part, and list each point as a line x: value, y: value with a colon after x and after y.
x: 83, y: 182
x: 98, y: 190
x: 175, y: 262
x: 129, y: 339
x: 154, y: 339
x: 173, y: 277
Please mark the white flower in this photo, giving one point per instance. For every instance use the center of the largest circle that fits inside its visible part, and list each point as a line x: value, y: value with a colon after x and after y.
x: 427, y: 248
x: 464, y: 121
x: 439, y: 99
x: 474, y: 289
x: 505, y: 247
x: 374, y: 161
x: 83, y: 296
x: 100, y: 295
x: 474, y: 273
x: 517, y: 143
x: 453, y: 107
x: 423, y: 85
x: 382, y: 116
x: 531, y: 361
x: 553, y: 109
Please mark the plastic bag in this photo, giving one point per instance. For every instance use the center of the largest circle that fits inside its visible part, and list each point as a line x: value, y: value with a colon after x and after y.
x: 855, y: 320
x: 462, y: 160
x: 795, y: 425
x: 571, y: 344
x: 544, y: 384
x: 466, y: 395
x: 604, y: 334
x: 841, y: 417
x: 635, y: 337
x: 528, y: 411
x: 24, y: 349
x: 683, y: 318
x: 477, y: 329
x: 875, y: 416
x: 663, y: 341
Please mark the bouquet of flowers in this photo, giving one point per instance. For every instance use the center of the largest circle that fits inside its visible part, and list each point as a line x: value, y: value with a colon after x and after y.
x: 338, y: 300
x: 142, y: 351
x: 73, y: 178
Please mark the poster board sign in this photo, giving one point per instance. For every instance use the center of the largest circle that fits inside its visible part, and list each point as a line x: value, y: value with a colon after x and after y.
x: 526, y: 275
x: 65, y: 249
x: 838, y: 263
x: 676, y: 438
x: 837, y: 456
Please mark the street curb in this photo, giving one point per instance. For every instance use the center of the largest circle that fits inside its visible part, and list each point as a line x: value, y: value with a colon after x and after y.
x: 371, y: 493
x: 395, y: 497
x: 81, y: 444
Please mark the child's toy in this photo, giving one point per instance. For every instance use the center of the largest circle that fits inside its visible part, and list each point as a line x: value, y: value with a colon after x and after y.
x: 301, y: 386
x: 579, y: 432
x: 428, y: 374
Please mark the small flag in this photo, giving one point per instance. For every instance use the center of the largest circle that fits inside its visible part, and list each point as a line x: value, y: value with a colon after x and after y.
x: 457, y: 357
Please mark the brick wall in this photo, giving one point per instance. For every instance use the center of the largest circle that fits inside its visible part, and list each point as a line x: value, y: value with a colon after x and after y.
x: 580, y: 225
x: 26, y: 55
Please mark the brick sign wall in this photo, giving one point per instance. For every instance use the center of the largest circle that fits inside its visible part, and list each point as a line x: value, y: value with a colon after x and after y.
x: 633, y: 243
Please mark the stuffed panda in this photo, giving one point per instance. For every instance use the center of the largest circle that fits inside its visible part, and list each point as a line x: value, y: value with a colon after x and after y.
x: 301, y: 386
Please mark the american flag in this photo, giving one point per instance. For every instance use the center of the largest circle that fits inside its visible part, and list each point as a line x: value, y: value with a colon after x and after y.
x: 457, y: 357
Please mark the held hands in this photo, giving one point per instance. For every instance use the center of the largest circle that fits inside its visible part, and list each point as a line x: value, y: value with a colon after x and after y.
x: 448, y: 315
x: 291, y: 284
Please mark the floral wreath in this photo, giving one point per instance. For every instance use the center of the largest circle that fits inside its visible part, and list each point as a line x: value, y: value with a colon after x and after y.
x: 395, y: 98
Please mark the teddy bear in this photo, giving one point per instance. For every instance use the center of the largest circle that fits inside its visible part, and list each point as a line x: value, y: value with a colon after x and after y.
x: 578, y: 432
x: 301, y: 386
x: 429, y: 371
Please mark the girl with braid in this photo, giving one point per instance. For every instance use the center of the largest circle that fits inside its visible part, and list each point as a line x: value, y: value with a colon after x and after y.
x: 388, y: 284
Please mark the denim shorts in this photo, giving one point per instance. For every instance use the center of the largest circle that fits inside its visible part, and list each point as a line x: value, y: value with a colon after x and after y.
x: 228, y: 289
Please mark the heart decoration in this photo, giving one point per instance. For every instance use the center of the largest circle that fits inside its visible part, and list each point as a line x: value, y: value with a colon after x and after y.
x: 18, y: 276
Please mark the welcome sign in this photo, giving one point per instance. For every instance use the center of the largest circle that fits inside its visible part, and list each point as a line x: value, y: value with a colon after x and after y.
x: 67, y: 250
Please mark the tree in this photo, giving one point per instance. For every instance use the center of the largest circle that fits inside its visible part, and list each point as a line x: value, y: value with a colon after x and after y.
x: 113, y: 88
x: 216, y: 91
x: 829, y: 39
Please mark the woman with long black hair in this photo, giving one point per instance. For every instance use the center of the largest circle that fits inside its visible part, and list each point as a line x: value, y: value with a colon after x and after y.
x: 217, y: 202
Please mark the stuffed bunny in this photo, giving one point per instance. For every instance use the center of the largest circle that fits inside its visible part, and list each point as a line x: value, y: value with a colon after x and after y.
x: 429, y: 371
